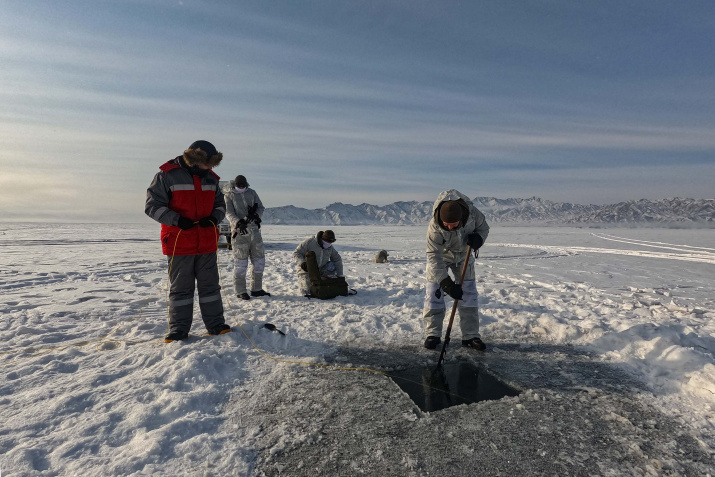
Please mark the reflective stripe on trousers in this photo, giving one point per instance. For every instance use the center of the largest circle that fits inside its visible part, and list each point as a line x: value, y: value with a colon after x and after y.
x: 188, y: 273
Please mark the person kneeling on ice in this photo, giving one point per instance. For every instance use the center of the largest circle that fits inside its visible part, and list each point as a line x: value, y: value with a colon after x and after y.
x: 244, y: 210
x: 329, y: 261
x: 456, y: 224
x: 186, y: 199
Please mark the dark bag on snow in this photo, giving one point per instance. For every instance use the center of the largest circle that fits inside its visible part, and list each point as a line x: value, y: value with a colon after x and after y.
x: 323, y: 288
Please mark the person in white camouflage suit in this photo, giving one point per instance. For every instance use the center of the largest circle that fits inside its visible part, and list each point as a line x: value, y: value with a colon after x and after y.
x: 244, y: 210
x: 330, y: 263
x: 455, y: 224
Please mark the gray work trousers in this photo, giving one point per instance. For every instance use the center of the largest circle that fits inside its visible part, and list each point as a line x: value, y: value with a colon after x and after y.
x: 186, y: 273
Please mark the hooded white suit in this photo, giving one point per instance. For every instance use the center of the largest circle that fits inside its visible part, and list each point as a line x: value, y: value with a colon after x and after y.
x: 250, y: 245
x: 447, y: 250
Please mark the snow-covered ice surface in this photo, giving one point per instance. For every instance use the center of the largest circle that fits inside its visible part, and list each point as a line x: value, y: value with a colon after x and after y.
x: 610, y: 333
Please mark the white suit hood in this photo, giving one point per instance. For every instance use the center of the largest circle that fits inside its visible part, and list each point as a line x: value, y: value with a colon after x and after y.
x: 441, y: 241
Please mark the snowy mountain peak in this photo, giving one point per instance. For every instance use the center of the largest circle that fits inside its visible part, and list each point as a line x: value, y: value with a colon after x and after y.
x: 532, y: 211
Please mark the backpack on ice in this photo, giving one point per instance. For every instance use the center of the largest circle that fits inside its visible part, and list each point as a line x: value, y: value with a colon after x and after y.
x: 323, y: 288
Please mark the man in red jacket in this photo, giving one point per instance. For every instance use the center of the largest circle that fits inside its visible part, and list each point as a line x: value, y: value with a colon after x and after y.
x: 186, y: 199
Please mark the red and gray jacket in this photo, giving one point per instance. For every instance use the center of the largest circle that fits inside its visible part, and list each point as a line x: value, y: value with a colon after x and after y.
x: 176, y: 192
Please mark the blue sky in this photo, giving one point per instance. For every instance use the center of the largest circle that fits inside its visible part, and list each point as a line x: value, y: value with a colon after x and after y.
x: 361, y: 101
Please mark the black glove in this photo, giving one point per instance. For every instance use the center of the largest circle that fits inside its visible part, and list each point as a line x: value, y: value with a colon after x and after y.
x: 242, y: 227
x: 185, y: 223
x: 209, y: 221
x: 452, y: 289
x: 304, y: 266
x: 475, y: 241
x: 253, y: 216
x: 253, y: 219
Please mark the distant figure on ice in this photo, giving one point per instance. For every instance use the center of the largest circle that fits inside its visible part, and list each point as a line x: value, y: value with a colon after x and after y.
x: 381, y: 257
x: 455, y: 224
x: 329, y: 261
x: 244, y: 210
x: 186, y: 199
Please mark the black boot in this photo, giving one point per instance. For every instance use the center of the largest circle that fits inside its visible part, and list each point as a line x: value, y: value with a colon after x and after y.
x: 432, y: 341
x: 260, y: 293
x: 220, y: 329
x: 475, y: 343
x: 244, y: 296
x: 175, y: 336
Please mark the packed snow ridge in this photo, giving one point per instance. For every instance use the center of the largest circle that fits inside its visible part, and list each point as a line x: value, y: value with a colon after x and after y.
x: 666, y: 212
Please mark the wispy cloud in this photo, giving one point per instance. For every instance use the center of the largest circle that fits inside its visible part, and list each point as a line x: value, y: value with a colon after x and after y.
x: 410, y: 98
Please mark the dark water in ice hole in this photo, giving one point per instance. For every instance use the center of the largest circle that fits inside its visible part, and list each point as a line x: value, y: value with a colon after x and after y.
x: 450, y: 385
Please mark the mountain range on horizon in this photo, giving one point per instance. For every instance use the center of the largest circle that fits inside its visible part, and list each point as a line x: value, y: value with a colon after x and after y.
x: 671, y: 212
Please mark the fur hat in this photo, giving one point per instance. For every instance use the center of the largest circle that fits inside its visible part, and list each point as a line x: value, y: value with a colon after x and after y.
x: 202, y: 153
x: 450, y: 212
x: 328, y: 236
x: 240, y: 181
